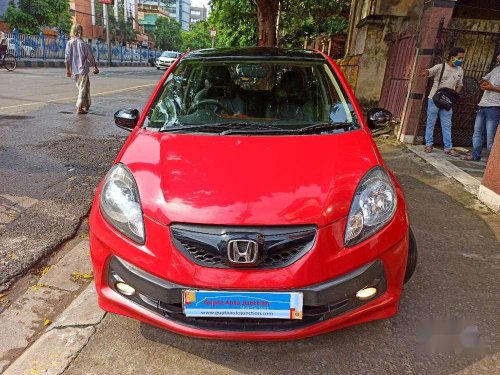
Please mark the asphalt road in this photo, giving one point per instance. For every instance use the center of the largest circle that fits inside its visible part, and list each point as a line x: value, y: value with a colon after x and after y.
x: 453, y: 290
x: 51, y: 159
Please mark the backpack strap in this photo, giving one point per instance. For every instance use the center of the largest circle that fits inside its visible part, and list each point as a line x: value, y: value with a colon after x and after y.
x: 441, y: 76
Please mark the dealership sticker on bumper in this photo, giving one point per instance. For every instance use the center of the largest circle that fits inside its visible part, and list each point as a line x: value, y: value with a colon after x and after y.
x: 272, y: 305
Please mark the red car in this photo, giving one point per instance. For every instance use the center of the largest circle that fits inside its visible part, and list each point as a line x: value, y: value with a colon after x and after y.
x: 250, y: 202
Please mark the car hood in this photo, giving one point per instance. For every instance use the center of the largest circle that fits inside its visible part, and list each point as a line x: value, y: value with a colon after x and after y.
x: 248, y: 180
x: 166, y: 59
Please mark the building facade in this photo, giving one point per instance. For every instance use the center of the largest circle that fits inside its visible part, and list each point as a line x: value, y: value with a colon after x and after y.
x: 152, y: 9
x: 91, y: 15
x: 198, y: 14
x: 149, y: 13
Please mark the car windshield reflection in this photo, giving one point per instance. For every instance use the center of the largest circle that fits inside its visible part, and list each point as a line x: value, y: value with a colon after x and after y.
x: 289, y: 95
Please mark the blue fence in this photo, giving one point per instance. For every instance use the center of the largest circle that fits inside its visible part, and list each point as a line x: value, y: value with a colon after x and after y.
x: 48, y: 47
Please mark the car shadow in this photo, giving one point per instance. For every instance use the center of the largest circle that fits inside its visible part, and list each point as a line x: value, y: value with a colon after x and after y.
x: 455, y: 281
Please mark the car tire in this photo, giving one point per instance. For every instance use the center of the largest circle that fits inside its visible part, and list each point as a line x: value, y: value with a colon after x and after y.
x: 411, y: 262
x: 158, y: 68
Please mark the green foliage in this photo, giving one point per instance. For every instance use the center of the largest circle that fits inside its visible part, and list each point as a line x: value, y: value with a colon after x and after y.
x: 167, y: 35
x: 20, y: 20
x: 198, y: 37
x: 121, y: 30
x: 235, y: 22
x: 312, y: 18
x: 31, y: 15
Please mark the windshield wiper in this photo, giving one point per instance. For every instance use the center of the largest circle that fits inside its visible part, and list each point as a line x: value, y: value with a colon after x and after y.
x: 254, y: 129
x: 228, y: 128
x: 223, y: 128
x: 324, y: 126
x: 213, y: 128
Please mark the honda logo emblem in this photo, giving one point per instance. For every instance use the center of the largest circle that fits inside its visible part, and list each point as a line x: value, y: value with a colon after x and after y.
x: 242, y: 251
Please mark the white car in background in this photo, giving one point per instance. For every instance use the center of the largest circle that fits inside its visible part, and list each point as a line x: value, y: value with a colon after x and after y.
x: 166, y: 59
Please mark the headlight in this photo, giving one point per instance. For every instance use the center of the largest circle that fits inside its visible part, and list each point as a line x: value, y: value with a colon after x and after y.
x: 120, y: 204
x: 374, y: 204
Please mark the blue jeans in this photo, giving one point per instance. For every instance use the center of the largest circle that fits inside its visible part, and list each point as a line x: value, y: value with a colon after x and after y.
x: 487, y: 119
x: 445, y: 117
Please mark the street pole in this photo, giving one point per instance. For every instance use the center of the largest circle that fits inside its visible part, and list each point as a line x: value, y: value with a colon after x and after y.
x: 213, y: 34
x: 108, y: 40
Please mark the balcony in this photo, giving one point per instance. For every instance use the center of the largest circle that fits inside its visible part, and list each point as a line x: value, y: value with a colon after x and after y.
x: 146, y: 8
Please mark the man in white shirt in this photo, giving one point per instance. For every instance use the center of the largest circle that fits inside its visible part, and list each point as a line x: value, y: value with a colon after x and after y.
x: 452, y: 78
x: 3, y: 43
x: 488, y: 114
x: 79, y: 58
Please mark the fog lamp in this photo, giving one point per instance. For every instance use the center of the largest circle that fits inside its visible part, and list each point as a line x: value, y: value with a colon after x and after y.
x: 125, y: 289
x: 366, y: 293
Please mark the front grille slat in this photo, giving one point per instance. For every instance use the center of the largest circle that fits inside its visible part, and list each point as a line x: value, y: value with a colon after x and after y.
x: 278, y: 246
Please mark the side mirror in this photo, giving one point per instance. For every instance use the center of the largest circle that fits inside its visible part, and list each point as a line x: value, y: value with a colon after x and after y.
x: 127, y: 118
x: 378, y: 118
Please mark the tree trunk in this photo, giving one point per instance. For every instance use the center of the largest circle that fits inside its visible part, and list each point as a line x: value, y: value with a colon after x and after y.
x: 267, y: 14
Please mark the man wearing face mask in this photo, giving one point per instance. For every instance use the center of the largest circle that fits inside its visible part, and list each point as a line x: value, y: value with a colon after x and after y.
x: 452, y: 77
x: 488, y: 114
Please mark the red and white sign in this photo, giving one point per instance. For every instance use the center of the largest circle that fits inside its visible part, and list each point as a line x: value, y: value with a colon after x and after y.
x: 106, y: 1
x: 213, y: 33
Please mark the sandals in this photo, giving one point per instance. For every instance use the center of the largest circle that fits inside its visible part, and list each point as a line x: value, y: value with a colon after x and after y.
x: 469, y: 158
x: 82, y: 111
x: 428, y: 149
x: 452, y: 152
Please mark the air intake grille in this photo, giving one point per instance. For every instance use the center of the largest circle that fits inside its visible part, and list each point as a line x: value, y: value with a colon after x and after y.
x: 277, y: 246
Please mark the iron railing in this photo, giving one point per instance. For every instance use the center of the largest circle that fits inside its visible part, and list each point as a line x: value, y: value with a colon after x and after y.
x: 50, y: 47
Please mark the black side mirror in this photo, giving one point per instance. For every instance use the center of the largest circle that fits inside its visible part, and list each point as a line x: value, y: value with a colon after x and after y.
x: 127, y: 118
x: 378, y: 118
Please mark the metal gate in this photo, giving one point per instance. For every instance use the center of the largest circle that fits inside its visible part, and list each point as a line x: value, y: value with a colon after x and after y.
x: 400, y: 59
x: 481, y: 49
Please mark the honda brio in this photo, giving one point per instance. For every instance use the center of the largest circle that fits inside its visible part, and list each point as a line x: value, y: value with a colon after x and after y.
x: 250, y: 202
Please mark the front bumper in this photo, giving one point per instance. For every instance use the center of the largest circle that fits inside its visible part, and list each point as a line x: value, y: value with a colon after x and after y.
x: 328, y: 275
x: 163, y: 64
x: 321, y: 301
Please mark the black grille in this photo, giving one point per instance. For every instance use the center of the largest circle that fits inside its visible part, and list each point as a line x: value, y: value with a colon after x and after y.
x: 283, y: 257
x: 277, y: 246
x: 202, y: 255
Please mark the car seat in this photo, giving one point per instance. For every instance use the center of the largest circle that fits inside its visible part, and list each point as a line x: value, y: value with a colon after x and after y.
x: 290, y: 99
x: 220, y: 86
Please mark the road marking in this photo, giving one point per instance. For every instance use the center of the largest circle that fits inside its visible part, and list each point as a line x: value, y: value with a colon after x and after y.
x: 73, y: 97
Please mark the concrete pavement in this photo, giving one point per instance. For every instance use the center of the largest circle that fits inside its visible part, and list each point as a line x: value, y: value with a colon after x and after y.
x: 455, y: 279
x: 52, y: 159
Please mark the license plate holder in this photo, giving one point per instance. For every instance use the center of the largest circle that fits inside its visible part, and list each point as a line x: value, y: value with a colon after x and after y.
x: 234, y: 304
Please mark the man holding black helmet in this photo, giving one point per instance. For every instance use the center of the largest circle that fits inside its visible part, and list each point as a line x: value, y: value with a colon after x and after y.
x: 446, y: 75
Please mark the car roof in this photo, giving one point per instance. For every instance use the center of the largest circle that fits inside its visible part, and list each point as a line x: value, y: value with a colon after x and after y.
x: 255, y: 52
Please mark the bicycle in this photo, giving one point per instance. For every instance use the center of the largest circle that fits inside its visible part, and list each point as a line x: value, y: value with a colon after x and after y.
x: 9, y: 61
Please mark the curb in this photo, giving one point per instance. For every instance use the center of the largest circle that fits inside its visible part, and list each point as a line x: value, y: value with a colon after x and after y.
x: 470, y: 183
x: 54, y: 351
x: 61, y: 64
x: 21, y: 322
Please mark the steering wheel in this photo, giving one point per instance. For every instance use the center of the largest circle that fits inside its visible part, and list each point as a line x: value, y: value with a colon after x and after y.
x: 206, y: 102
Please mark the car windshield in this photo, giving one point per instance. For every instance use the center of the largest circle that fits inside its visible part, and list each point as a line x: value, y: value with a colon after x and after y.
x: 172, y: 55
x: 252, y: 96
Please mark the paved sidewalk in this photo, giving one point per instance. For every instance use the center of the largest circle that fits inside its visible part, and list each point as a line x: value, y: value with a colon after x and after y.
x: 59, y: 63
x: 468, y: 173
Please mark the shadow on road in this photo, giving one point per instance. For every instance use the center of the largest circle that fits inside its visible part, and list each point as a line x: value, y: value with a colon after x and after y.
x: 455, y: 281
